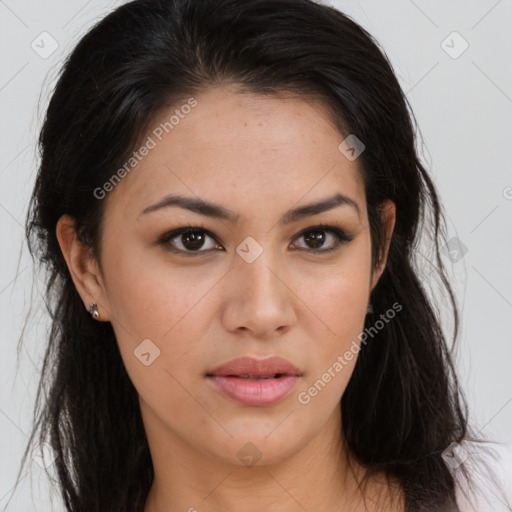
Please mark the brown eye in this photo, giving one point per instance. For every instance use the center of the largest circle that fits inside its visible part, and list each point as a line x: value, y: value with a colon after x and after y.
x: 317, y: 236
x: 193, y: 240
x: 315, y: 239
x: 189, y: 240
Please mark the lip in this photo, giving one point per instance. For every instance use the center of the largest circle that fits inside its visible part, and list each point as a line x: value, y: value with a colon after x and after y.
x: 254, y: 366
x: 255, y: 390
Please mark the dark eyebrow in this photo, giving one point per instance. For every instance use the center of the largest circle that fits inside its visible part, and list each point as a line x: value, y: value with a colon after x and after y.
x: 319, y: 207
x: 195, y: 205
x: 220, y: 212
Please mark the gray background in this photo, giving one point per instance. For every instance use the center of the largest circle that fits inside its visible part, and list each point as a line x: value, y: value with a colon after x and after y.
x: 463, y: 105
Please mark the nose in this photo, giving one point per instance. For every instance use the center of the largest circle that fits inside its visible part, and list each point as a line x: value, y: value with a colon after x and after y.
x: 259, y: 300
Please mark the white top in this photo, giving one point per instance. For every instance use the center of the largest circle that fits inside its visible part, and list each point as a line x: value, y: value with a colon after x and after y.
x: 494, y: 492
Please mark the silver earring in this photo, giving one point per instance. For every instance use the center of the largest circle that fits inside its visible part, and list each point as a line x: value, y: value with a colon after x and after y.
x: 370, y: 309
x: 93, y: 311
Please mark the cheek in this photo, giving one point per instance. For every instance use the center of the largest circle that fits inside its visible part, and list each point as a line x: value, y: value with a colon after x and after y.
x: 156, y: 328
x: 335, y: 346
x: 151, y: 297
x: 167, y: 305
x: 342, y: 299
x: 339, y: 301
x: 340, y: 292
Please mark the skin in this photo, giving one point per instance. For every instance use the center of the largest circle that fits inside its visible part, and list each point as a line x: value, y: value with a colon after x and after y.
x: 258, y: 156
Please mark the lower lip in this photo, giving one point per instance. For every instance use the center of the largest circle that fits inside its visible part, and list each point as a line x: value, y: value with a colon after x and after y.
x: 255, y: 392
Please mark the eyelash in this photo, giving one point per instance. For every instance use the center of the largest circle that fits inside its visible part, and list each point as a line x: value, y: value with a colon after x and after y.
x: 341, y: 236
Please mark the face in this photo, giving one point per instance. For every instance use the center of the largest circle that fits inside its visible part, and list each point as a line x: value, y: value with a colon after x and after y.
x: 252, y: 280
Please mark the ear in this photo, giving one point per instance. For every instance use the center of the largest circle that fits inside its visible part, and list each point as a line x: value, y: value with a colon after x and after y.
x: 82, y: 266
x: 388, y: 216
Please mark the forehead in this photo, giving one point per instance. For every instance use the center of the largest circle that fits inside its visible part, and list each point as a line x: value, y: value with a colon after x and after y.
x: 243, y: 150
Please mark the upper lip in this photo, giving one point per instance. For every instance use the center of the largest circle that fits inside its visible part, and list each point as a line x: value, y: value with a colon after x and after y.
x: 257, y: 367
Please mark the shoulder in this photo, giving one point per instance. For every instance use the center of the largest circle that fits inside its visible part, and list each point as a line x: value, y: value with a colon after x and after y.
x: 489, y: 465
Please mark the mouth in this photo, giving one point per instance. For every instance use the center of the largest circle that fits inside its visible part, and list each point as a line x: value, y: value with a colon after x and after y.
x: 250, y: 377
x: 253, y: 368
x: 255, y: 382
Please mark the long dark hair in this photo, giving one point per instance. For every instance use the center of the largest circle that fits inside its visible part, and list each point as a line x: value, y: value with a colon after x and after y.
x: 403, y: 405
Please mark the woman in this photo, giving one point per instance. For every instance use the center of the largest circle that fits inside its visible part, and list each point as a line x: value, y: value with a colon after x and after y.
x: 229, y: 203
